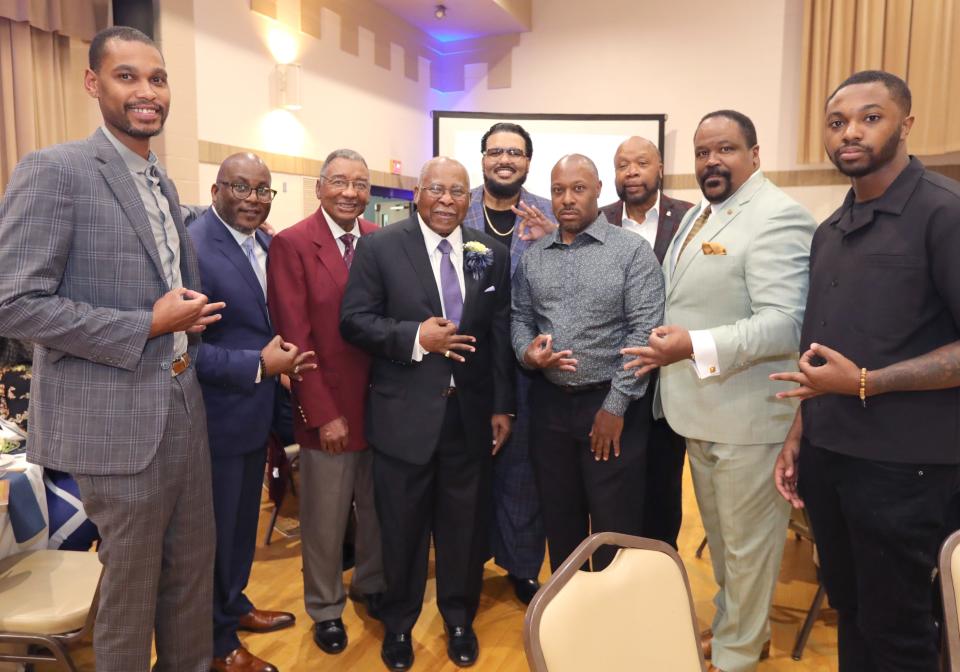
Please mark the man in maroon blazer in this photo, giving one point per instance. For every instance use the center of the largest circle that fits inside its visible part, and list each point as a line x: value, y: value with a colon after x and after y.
x: 307, y: 272
x: 644, y: 209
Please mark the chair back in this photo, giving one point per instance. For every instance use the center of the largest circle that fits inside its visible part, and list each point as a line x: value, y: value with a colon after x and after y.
x: 950, y: 589
x: 636, y: 614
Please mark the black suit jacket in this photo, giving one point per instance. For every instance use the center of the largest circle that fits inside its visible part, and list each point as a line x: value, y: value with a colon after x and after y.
x: 391, y: 290
x: 672, y: 211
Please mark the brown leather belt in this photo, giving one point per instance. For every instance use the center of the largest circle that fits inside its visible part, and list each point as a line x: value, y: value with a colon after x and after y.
x: 180, y: 364
x: 580, y: 389
x: 449, y: 392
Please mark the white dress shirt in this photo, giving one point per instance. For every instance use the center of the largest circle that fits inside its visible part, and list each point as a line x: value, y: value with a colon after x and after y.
x: 336, y: 231
x: 648, y: 227
x: 431, y: 240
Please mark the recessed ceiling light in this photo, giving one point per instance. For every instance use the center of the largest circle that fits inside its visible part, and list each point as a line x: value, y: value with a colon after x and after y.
x: 440, y: 11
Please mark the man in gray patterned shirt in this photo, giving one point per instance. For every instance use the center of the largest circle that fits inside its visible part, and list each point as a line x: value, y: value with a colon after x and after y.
x: 580, y: 294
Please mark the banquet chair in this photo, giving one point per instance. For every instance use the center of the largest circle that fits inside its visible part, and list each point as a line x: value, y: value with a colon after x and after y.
x: 636, y: 614
x: 48, y: 602
x: 950, y: 590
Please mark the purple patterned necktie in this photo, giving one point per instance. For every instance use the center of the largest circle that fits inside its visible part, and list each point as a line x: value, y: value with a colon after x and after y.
x: 449, y: 284
x: 347, y: 239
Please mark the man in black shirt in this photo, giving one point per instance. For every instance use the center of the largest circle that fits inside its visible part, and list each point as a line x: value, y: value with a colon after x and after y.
x: 512, y: 215
x: 876, y: 443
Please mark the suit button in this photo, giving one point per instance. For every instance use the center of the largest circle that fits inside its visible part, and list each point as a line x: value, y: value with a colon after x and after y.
x: 823, y: 323
x: 165, y: 366
x: 834, y: 283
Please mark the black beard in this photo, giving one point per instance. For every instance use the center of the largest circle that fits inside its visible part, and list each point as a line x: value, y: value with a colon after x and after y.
x: 716, y: 172
x: 640, y: 199
x: 875, y: 160
x: 501, y: 190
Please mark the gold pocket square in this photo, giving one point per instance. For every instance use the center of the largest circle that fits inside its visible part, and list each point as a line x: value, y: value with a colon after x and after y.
x: 714, y: 248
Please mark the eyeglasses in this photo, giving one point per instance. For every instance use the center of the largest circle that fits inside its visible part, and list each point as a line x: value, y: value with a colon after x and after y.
x: 340, y: 184
x: 456, y: 193
x: 512, y: 152
x: 241, y: 191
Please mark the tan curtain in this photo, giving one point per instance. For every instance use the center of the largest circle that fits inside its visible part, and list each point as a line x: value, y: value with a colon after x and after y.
x: 42, y: 60
x: 918, y: 40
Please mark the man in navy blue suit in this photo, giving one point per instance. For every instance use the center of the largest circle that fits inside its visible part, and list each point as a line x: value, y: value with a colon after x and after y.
x: 238, y: 366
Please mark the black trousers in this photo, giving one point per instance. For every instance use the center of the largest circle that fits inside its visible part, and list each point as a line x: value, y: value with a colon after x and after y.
x: 579, y: 495
x: 663, y: 502
x: 879, y: 526
x: 449, y: 498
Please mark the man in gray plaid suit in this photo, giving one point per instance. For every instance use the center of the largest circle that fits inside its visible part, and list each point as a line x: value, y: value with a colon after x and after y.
x: 509, y: 213
x: 97, y: 271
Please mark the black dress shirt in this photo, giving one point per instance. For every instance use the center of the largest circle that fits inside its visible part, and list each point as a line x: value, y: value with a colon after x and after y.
x: 885, y: 287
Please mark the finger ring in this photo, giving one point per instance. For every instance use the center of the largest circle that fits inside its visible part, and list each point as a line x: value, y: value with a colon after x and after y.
x: 296, y: 368
x: 447, y: 354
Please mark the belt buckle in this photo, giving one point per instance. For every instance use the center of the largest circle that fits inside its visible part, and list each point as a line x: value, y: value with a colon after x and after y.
x: 180, y: 364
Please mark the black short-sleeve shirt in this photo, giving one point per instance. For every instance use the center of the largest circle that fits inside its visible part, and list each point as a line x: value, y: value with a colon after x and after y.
x: 885, y: 287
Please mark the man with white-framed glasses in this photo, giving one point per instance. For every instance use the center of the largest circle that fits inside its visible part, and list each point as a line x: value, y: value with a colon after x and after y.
x: 309, y: 265
x: 503, y: 209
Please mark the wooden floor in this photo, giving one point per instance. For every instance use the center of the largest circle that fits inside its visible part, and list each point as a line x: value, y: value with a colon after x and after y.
x: 277, y: 584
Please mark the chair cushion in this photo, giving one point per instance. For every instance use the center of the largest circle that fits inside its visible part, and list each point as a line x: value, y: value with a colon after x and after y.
x: 47, y: 592
x: 633, y: 615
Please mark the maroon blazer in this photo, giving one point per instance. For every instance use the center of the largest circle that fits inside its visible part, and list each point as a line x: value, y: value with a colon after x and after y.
x: 306, y: 276
x: 672, y: 211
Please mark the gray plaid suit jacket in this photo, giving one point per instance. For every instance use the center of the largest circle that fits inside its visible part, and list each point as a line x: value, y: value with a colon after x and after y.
x: 80, y: 274
x: 474, y: 220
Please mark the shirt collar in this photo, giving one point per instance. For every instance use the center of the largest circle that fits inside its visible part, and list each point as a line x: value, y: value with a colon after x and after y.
x: 653, y: 214
x: 237, y: 235
x: 852, y: 215
x: 597, y: 230
x: 338, y: 230
x: 431, y: 238
x: 135, y: 163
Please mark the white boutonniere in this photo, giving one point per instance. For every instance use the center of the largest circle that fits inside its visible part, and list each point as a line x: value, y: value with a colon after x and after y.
x: 477, y: 258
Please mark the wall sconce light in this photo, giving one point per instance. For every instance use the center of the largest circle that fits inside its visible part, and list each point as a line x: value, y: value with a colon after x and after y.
x: 287, y: 86
x: 440, y: 11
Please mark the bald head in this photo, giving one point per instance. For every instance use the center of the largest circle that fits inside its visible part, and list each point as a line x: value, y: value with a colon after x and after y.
x: 443, y: 163
x: 638, y: 173
x: 238, y: 173
x: 574, y: 192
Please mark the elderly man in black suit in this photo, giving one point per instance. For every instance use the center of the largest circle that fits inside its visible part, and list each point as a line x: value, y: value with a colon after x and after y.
x: 430, y: 301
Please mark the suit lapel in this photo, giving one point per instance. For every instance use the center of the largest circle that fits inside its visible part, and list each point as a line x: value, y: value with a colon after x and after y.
x: 121, y: 183
x: 416, y: 251
x: 327, y: 250
x: 666, y: 227
x: 471, y: 286
x: 227, y: 245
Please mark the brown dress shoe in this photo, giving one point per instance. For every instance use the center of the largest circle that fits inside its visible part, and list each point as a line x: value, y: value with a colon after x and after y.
x: 241, y: 660
x: 706, y: 645
x: 259, y: 620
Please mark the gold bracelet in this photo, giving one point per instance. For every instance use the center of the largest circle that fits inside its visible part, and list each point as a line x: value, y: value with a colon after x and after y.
x: 863, y: 387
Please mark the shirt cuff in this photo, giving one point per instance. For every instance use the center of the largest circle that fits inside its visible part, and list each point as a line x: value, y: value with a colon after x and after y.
x: 418, y: 351
x: 705, y: 362
x: 616, y: 402
x: 258, y: 378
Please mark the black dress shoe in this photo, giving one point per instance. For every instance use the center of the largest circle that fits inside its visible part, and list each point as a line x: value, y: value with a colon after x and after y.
x: 330, y: 636
x: 462, y: 646
x: 524, y: 588
x: 397, y: 651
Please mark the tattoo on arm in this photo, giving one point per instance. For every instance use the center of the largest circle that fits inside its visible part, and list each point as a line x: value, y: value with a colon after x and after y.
x: 936, y: 370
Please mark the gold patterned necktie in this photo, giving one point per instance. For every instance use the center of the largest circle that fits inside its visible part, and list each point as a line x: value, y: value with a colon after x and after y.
x: 695, y: 229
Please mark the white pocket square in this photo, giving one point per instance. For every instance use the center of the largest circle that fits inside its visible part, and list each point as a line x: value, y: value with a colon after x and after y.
x: 489, y: 289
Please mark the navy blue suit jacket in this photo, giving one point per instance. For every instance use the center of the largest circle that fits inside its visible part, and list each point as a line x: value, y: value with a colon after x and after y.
x: 239, y: 410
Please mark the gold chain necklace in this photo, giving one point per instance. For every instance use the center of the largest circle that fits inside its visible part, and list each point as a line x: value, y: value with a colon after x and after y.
x: 495, y: 229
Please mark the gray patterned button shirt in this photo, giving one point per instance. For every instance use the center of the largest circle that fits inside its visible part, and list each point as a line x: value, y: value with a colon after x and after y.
x: 602, y: 292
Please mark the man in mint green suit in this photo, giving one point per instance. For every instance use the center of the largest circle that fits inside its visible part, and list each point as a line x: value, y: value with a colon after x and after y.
x: 736, y: 282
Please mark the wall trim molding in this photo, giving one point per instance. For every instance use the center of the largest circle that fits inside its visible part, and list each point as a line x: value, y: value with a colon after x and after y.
x: 215, y: 153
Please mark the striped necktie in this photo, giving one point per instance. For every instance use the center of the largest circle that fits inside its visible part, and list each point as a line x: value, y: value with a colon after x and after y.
x: 695, y: 229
